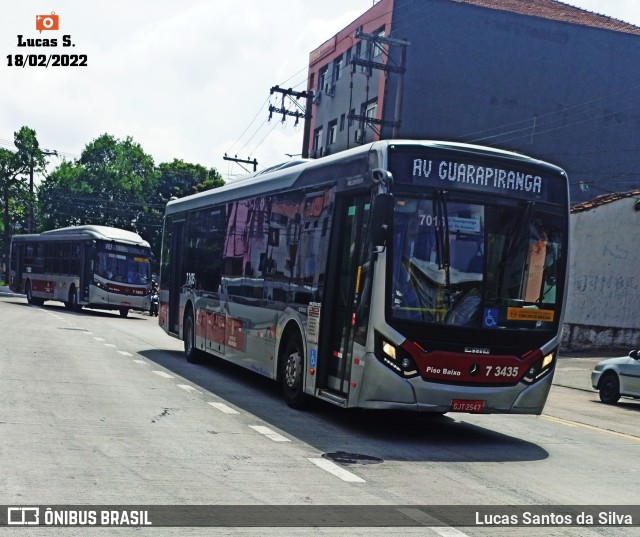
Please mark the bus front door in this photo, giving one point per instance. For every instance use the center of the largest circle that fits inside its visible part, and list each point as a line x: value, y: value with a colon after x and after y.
x: 349, y: 248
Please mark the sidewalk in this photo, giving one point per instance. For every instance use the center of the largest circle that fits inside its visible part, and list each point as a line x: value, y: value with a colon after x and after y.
x: 5, y: 291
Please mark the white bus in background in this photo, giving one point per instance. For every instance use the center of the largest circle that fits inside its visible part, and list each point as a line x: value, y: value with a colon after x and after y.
x: 83, y: 266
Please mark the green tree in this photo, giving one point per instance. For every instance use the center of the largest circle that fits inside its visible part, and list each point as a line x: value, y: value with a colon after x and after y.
x: 17, y: 196
x: 179, y: 179
x: 31, y: 158
x: 64, y: 198
x: 106, y: 186
x: 174, y: 180
x: 114, y: 183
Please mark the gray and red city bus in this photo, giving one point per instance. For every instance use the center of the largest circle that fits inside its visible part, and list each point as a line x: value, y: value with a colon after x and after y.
x: 83, y: 266
x: 418, y: 275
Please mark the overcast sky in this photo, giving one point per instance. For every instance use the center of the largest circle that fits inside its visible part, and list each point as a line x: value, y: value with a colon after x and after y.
x: 186, y: 79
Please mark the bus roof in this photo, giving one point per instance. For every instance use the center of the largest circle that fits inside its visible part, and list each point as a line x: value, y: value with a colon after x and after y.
x: 88, y: 232
x: 285, y: 175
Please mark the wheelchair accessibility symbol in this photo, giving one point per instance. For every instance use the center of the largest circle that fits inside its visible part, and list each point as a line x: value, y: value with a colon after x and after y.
x: 490, y: 318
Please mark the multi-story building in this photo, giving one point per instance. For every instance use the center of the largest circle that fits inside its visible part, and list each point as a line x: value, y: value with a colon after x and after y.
x: 538, y: 76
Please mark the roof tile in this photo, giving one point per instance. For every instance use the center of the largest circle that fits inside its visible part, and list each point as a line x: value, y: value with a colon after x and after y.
x: 603, y: 200
x: 559, y: 11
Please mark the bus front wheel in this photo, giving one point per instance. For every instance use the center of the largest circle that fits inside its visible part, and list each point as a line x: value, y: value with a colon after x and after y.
x: 72, y: 303
x: 292, y: 374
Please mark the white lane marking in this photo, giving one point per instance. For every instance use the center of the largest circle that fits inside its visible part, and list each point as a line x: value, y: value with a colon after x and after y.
x: 163, y: 374
x: 108, y: 344
x: 88, y: 333
x: 427, y: 520
x: 224, y: 408
x: 336, y: 470
x: 125, y: 353
x: 187, y: 388
x: 448, y: 532
x: 99, y: 339
x: 140, y: 362
x: 269, y: 433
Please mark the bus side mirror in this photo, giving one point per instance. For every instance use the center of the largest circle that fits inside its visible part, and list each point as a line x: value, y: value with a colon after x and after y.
x: 381, y: 218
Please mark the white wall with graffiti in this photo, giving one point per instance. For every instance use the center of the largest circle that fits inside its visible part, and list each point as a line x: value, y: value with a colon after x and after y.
x: 603, y: 302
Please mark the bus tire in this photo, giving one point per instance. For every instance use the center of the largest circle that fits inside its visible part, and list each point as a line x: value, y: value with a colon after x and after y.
x: 72, y: 303
x: 28, y: 292
x: 291, y: 373
x: 191, y: 353
x: 124, y: 312
x: 30, y: 298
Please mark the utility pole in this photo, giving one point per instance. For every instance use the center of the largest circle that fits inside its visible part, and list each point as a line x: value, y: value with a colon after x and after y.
x: 45, y: 153
x: 387, y: 68
x: 399, y: 91
x: 304, y: 113
x: 237, y: 160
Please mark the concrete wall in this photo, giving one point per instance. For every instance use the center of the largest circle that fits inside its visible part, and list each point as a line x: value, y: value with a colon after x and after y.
x: 604, y: 287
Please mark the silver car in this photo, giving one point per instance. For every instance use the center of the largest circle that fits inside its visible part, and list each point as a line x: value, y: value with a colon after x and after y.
x: 616, y: 377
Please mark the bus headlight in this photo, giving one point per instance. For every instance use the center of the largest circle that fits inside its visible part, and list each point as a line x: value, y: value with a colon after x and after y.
x: 547, y: 360
x: 539, y: 368
x: 389, y: 350
x: 395, y: 358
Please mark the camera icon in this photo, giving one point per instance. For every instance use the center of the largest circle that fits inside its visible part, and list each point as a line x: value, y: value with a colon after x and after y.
x: 47, y: 22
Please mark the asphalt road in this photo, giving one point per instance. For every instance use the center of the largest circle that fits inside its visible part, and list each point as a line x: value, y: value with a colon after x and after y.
x: 99, y: 410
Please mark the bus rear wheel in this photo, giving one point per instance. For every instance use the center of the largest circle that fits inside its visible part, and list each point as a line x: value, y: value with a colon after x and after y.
x: 291, y: 374
x: 191, y: 353
x: 30, y: 298
x: 124, y: 312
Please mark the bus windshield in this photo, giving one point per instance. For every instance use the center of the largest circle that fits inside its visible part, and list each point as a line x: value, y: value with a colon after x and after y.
x: 123, y: 267
x: 475, y: 265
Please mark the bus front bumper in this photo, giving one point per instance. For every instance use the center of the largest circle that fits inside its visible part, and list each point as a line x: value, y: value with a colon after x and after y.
x: 381, y: 388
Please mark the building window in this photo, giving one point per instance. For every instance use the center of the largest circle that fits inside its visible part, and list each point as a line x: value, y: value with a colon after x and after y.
x: 332, y: 132
x: 342, y: 118
x: 369, y: 109
x: 317, y: 139
x: 322, y: 75
x: 337, y: 68
x: 352, y: 113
